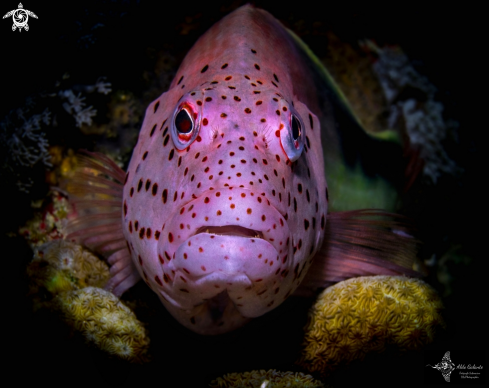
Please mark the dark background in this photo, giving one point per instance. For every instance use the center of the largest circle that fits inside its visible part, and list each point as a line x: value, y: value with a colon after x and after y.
x: 119, y: 39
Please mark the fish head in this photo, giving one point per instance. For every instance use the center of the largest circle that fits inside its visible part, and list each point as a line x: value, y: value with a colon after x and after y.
x: 228, y: 178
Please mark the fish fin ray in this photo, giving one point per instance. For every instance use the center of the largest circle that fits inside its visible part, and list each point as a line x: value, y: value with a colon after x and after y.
x: 95, y: 195
x: 363, y: 242
x: 123, y: 276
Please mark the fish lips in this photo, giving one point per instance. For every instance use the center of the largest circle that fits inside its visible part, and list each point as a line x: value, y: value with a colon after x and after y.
x: 228, y: 248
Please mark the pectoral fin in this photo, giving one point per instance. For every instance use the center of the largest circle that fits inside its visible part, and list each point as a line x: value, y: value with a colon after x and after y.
x: 362, y: 243
x: 95, y: 193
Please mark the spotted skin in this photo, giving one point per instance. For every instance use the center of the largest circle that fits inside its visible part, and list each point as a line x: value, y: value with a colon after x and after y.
x: 224, y: 227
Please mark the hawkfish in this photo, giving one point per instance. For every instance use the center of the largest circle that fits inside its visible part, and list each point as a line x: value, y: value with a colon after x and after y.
x: 223, y: 210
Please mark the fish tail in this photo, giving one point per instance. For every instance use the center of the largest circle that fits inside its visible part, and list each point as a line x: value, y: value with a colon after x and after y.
x: 95, y: 195
x: 363, y: 242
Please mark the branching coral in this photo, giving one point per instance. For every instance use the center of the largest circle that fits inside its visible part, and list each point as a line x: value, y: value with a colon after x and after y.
x: 25, y: 132
x: 268, y: 379
x: 366, y: 314
x: 104, y: 322
x: 411, y: 99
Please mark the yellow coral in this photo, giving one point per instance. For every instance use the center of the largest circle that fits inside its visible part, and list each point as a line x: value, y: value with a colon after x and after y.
x: 105, y: 322
x: 268, y: 379
x: 362, y: 315
x: 61, y: 266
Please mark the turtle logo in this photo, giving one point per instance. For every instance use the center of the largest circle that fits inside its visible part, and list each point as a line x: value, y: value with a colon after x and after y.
x: 20, y: 17
x: 446, y: 366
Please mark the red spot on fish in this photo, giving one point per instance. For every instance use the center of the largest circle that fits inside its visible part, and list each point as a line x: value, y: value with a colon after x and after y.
x: 156, y: 107
x: 203, y: 268
x: 204, y: 69
x: 157, y: 279
x: 170, y: 237
x: 205, y: 121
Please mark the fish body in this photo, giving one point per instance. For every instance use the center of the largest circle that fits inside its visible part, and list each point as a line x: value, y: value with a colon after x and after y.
x: 225, y: 201
x: 224, y: 219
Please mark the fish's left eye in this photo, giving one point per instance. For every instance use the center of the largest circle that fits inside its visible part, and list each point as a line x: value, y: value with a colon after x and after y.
x: 296, y: 128
x: 185, y: 126
x: 292, y: 139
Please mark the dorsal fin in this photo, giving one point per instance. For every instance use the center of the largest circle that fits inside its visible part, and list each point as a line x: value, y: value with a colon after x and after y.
x: 95, y: 193
x: 363, y: 242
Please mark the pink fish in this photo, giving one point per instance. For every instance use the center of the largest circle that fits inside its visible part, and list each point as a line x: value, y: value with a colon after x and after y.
x: 225, y: 201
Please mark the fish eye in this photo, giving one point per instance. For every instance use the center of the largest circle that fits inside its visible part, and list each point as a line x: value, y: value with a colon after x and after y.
x: 296, y: 128
x: 185, y: 125
x: 292, y: 139
x: 183, y: 122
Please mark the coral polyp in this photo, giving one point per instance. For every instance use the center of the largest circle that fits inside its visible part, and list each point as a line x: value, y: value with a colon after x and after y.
x: 366, y: 314
x: 68, y: 279
x: 60, y: 266
x: 104, y: 321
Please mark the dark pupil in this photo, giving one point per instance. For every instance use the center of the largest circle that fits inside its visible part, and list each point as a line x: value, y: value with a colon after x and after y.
x: 296, y: 128
x: 183, y: 123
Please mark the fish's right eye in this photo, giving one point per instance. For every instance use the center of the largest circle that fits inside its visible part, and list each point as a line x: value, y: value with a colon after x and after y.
x: 183, y: 122
x: 185, y: 126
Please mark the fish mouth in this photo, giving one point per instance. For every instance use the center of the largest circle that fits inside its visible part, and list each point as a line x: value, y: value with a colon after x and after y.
x: 230, y: 230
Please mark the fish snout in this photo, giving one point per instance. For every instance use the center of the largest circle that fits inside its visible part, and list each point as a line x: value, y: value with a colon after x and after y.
x: 227, y: 240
